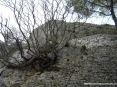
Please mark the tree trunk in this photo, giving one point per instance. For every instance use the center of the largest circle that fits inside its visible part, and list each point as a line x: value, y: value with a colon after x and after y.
x: 113, y: 13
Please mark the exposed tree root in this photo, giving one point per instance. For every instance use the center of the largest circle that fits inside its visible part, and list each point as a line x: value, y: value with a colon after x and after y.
x: 39, y: 63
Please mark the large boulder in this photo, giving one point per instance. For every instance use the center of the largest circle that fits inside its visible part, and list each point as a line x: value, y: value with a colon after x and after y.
x: 54, y: 31
x: 37, y: 36
x: 16, y: 58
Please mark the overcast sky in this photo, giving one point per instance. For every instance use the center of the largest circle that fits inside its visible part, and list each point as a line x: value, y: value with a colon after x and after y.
x: 95, y: 19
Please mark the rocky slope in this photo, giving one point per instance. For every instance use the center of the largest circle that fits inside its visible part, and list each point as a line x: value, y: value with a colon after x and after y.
x: 95, y: 64
x: 74, y: 69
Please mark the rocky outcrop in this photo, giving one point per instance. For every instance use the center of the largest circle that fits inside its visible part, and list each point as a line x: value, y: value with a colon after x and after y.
x: 95, y: 40
x: 73, y: 68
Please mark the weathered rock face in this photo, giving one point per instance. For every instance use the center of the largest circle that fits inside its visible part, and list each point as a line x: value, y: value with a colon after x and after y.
x: 95, y: 40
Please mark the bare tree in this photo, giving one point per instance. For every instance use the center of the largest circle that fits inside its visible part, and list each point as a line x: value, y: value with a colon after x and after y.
x: 43, y: 29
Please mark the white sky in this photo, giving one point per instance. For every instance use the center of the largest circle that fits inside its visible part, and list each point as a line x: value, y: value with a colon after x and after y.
x: 96, y: 19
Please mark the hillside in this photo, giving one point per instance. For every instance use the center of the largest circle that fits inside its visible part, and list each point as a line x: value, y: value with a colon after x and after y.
x: 90, y: 57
